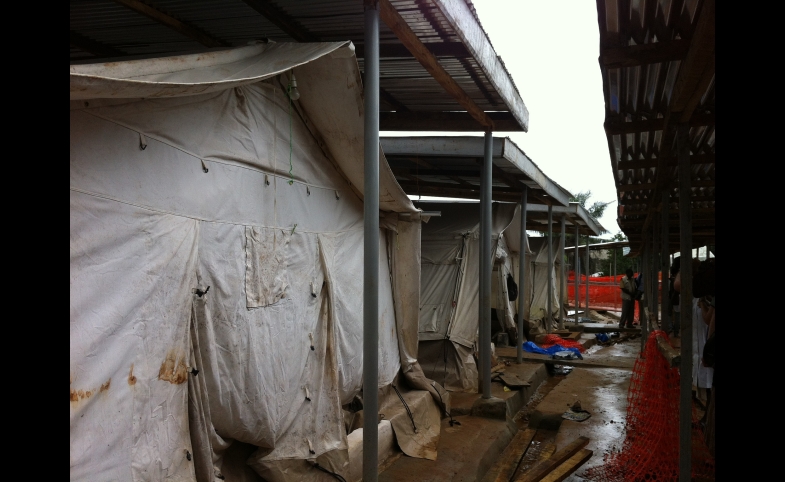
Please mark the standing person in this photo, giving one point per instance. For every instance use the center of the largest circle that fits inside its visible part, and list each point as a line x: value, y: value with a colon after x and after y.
x: 627, y: 286
x: 639, y: 296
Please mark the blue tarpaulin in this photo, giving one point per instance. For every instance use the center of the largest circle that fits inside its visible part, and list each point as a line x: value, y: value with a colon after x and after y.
x: 531, y: 347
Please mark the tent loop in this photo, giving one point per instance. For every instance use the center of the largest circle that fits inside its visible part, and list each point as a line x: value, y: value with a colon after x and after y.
x: 204, y: 167
x: 310, y: 335
x: 307, y: 394
x: 310, y: 447
x: 142, y: 142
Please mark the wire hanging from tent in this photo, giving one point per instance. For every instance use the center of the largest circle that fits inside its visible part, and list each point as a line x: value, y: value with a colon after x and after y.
x: 406, y: 406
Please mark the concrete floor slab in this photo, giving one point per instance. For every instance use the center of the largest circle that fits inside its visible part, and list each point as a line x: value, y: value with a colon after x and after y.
x: 466, y: 453
x: 601, y: 391
x: 533, y: 373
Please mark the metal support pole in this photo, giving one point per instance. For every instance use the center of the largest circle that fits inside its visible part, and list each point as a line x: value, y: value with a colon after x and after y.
x: 685, y: 246
x: 655, y: 281
x: 616, y: 291
x: 562, y: 272
x: 486, y: 266
x: 664, y: 251
x: 588, y: 268
x: 371, y: 248
x: 641, y: 314
x: 522, y: 274
x: 576, y: 281
x: 549, y: 315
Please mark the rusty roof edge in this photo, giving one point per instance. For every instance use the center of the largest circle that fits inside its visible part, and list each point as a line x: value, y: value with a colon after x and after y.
x: 468, y: 28
x: 517, y: 157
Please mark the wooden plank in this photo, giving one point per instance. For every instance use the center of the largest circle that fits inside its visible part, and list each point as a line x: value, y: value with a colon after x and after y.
x: 671, y: 355
x: 177, y: 25
x: 543, y: 468
x: 444, y: 121
x: 513, y: 382
x: 567, y: 468
x: 406, y: 35
x: 505, y: 466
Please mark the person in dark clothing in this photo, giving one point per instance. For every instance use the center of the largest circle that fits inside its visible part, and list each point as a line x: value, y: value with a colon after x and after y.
x: 627, y: 286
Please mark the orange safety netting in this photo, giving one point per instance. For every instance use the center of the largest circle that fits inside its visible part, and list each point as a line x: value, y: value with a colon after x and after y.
x: 551, y: 340
x: 650, y: 451
x: 604, y: 292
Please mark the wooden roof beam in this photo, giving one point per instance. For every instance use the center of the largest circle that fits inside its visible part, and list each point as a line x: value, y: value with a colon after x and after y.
x: 406, y: 35
x: 179, y: 26
x: 281, y: 20
x: 91, y: 46
x: 695, y: 160
x: 632, y: 56
x: 444, y: 121
x: 439, y: 49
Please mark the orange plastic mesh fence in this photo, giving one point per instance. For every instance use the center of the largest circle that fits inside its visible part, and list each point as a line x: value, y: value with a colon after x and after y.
x: 604, y: 292
x: 650, y: 451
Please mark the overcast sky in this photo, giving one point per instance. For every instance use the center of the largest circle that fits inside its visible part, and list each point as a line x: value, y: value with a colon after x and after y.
x: 550, y: 49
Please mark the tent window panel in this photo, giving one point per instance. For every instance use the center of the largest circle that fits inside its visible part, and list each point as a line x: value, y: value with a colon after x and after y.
x: 266, y: 275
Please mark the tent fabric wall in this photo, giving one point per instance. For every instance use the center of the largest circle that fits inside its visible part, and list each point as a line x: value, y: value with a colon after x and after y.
x: 449, y: 300
x: 172, y: 195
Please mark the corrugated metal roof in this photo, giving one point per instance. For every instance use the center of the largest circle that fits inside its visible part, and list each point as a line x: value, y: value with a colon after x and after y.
x: 657, y: 62
x: 105, y: 29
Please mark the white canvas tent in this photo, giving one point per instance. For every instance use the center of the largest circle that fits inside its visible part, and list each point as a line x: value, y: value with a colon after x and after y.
x: 450, y: 287
x: 216, y: 235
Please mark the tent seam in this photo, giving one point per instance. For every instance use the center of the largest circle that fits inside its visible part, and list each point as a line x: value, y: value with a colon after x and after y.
x: 197, y: 218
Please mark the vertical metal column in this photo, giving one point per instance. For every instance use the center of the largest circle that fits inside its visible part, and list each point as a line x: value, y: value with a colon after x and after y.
x: 562, y: 271
x: 642, y: 315
x: 548, y: 316
x: 615, y: 288
x: 664, y: 253
x: 486, y: 266
x: 371, y: 247
x: 588, y: 267
x: 655, y: 282
x: 576, y: 282
x: 685, y: 246
x: 522, y: 273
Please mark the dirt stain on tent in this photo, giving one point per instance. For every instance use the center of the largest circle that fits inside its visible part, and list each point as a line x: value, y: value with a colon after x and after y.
x: 105, y: 386
x: 173, y: 368
x: 131, y: 377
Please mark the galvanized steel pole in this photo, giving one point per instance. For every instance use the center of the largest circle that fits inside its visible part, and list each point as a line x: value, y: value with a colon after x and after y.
x: 486, y: 266
x: 371, y: 247
x: 562, y: 272
x: 641, y: 311
x: 522, y: 274
x: 549, y: 314
x: 588, y: 267
x: 685, y: 246
x: 664, y: 251
x: 576, y: 281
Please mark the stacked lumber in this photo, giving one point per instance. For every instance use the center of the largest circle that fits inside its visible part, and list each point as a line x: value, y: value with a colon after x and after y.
x: 553, y: 465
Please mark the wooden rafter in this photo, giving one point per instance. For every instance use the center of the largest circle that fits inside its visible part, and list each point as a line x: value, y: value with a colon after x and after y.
x: 278, y: 18
x: 179, y: 26
x: 91, y: 46
x: 406, y: 35
x: 447, y: 121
